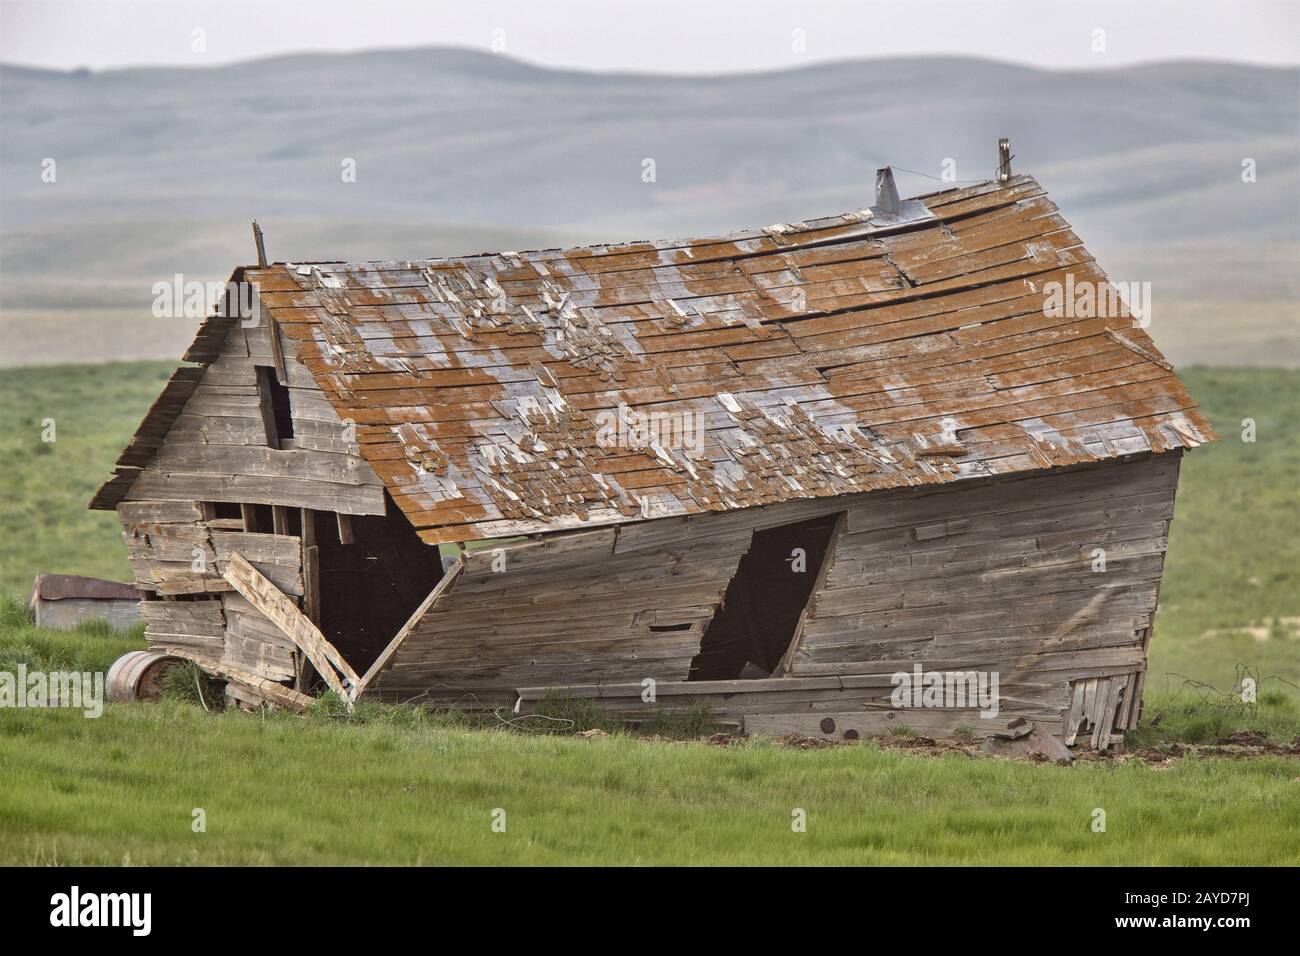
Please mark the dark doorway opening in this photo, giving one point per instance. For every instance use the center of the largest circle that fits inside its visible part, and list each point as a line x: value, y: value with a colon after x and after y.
x: 754, y: 626
x: 371, y: 586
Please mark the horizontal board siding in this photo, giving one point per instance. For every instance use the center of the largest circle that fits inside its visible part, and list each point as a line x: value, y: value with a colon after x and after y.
x: 1023, y: 557
x: 216, y: 448
x: 563, y: 609
x: 198, y: 626
x: 1000, y: 579
x: 1007, y: 585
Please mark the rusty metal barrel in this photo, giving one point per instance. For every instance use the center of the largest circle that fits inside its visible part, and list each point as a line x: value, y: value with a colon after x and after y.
x: 137, y: 675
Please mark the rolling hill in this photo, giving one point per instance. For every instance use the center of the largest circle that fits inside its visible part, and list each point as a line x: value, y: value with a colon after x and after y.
x: 159, y: 171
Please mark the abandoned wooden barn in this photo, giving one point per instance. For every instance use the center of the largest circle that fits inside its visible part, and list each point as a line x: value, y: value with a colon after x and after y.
x: 771, y: 471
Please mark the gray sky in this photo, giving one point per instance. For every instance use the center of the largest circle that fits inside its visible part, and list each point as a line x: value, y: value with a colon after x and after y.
x: 675, y: 36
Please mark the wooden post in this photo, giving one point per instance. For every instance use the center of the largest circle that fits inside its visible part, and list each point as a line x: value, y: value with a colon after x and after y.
x: 277, y: 351
x: 1004, y: 160
x: 310, y: 590
x: 310, y: 566
x: 261, y: 246
x: 345, y: 528
x: 279, y: 519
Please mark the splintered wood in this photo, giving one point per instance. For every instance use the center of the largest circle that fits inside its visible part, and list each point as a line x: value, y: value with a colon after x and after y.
x: 284, y: 614
x: 258, y: 687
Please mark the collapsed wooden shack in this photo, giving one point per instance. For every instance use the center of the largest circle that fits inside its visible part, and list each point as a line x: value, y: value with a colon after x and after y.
x: 472, y: 481
x: 65, y: 601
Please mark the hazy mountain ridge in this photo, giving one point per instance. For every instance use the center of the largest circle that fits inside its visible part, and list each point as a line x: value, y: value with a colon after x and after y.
x: 160, y: 170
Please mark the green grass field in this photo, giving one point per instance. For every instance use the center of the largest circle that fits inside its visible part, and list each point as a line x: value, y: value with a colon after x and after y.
x: 45, y: 486
x: 286, y: 790
x: 396, y: 786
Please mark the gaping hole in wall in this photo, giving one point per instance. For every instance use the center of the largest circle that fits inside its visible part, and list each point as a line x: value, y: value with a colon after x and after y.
x: 273, y: 400
x: 371, y: 586
x: 259, y: 519
x: 754, y: 626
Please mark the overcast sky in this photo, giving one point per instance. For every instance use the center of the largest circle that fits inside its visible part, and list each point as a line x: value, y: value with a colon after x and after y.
x: 676, y: 36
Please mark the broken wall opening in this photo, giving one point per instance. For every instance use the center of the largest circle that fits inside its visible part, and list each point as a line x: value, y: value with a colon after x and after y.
x: 371, y: 581
x: 274, y: 404
x: 753, y: 627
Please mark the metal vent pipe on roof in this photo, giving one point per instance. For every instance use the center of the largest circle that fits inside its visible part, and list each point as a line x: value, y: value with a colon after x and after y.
x: 887, y: 200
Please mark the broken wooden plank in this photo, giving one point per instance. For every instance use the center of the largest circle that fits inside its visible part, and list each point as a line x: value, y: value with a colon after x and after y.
x: 280, y: 609
x: 268, y: 690
x: 444, y: 585
x: 1149, y: 354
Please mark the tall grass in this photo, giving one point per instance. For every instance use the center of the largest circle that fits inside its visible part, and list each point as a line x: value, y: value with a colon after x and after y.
x: 281, y: 789
x: 1234, y: 546
x: 89, y: 647
x: 45, y: 486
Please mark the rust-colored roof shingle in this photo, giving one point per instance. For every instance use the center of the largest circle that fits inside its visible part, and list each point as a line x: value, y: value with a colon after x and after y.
x: 838, y: 355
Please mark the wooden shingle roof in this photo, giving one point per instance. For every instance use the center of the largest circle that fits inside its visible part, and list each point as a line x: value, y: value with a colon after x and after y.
x: 839, y: 355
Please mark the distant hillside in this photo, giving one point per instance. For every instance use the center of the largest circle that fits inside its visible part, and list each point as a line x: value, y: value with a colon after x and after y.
x: 160, y: 170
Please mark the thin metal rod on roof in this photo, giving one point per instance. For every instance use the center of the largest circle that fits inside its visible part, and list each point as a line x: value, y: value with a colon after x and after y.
x: 887, y: 193
x: 261, y: 246
x: 1004, y: 160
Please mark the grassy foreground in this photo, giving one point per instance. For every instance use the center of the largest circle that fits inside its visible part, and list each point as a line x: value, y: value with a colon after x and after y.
x: 398, y: 786
x: 283, y: 790
x: 394, y: 786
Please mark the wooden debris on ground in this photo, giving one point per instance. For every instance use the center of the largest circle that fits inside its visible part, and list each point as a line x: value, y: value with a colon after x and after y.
x: 1032, y: 743
x: 265, y: 690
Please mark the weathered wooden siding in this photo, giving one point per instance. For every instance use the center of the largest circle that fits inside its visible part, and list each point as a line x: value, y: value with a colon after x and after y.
x: 68, y: 613
x: 1002, y: 578
x: 993, y: 576
x: 190, y: 558
x: 216, y: 449
x: 994, y: 571
x: 588, y: 606
x: 253, y: 643
x: 198, y: 626
x: 996, y: 576
x: 174, y: 552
